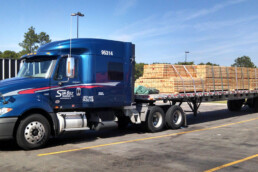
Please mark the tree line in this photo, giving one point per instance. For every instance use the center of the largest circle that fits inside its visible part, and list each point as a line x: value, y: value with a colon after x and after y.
x: 30, y: 44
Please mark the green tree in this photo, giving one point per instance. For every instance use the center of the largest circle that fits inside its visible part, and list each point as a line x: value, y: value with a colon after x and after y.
x: 29, y: 44
x: 209, y: 63
x: 185, y: 63
x: 243, y: 61
x: 9, y: 54
x: 21, y: 53
x: 32, y: 40
x: 1, y: 54
x: 43, y: 38
x: 138, y: 70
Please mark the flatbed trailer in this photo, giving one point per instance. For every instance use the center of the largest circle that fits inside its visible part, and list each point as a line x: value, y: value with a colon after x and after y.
x: 235, y: 101
x: 194, y: 100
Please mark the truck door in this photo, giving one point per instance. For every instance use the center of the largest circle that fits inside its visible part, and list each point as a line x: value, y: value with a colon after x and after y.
x: 65, y: 92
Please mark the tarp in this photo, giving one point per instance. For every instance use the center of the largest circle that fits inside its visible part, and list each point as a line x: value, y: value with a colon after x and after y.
x: 144, y: 90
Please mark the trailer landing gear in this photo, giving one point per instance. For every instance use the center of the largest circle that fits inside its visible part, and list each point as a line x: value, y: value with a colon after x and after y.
x: 194, y: 105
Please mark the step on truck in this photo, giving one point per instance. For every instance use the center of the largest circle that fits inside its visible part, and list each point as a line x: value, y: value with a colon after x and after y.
x: 88, y: 84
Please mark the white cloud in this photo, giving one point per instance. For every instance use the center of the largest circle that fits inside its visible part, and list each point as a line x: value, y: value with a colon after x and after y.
x: 213, y: 9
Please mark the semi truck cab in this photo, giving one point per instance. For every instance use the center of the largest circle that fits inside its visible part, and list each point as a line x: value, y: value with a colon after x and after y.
x: 76, y: 84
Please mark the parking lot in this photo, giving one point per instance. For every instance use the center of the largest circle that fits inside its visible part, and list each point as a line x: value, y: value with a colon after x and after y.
x: 215, y: 140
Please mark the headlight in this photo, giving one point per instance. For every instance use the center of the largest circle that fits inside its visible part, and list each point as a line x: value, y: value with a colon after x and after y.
x: 5, y: 110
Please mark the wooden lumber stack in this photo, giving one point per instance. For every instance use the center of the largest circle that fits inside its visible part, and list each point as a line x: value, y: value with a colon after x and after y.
x: 169, y: 78
x: 171, y: 85
x: 167, y: 71
x: 216, y: 78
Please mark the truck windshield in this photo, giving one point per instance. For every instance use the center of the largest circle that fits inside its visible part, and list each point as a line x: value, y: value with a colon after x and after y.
x: 36, y: 69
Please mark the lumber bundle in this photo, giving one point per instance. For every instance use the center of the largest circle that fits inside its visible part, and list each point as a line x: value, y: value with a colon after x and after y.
x: 169, y: 78
x: 167, y: 71
x: 171, y: 85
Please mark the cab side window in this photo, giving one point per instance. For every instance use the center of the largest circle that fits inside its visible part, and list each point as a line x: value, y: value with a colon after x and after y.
x: 115, y: 71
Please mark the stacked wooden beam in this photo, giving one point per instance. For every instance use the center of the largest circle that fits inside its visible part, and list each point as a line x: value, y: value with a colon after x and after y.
x: 171, y: 85
x: 167, y: 71
x: 169, y: 78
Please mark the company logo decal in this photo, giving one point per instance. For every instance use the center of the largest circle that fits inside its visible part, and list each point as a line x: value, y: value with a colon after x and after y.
x: 64, y: 94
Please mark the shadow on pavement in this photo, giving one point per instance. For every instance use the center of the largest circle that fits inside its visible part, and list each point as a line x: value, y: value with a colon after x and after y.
x: 76, y: 137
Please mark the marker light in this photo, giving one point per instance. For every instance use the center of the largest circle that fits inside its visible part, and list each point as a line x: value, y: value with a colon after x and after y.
x: 5, y: 110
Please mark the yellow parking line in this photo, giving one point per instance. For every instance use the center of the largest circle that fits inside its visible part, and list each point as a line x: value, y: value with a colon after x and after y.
x: 232, y: 163
x: 147, y: 138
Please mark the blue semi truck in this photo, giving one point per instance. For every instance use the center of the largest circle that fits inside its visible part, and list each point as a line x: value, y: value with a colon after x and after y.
x: 88, y: 84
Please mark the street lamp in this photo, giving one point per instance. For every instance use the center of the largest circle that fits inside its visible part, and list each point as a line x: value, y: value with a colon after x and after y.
x: 78, y: 14
x: 186, y: 52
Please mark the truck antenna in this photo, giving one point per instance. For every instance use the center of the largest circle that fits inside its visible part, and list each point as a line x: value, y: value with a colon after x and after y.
x: 71, y: 37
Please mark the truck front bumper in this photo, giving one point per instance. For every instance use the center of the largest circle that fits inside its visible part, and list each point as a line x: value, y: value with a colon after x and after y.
x: 7, y: 127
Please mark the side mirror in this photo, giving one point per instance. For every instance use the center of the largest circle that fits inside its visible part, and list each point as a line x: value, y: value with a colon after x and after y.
x: 70, y: 67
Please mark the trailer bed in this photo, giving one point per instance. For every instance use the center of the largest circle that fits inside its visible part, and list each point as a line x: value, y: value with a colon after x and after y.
x: 205, y: 96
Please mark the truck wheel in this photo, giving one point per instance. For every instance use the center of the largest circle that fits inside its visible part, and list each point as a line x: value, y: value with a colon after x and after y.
x: 155, y: 120
x: 235, y: 105
x: 33, y: 132
x: 175, y: 117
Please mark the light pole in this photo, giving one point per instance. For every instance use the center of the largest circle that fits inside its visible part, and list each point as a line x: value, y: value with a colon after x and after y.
x: 78, y: 14
x: 186, y: 52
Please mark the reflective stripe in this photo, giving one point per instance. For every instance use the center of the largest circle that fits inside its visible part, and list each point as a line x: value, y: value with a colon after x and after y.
x: 43, y: 89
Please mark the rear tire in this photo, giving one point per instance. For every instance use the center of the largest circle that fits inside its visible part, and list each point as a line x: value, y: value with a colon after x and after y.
x: 175, y: 117
x: 235, y: 105
x: 155, y: 121
x: 33, y: 132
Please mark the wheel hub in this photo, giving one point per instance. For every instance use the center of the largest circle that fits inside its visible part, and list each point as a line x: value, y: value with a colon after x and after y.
x: 177, y: 117
x: 157, y: 120
x: 34, y: 132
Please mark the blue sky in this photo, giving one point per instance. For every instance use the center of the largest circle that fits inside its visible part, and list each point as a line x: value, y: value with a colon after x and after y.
x: 212, y: 30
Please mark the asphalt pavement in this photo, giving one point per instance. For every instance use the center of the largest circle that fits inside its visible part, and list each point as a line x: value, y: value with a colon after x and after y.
x: 215, y: 140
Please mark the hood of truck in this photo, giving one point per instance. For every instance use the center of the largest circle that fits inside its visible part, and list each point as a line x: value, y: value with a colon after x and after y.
x: 16, y: 86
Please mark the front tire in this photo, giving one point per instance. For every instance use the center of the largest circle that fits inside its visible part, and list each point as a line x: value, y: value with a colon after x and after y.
x: 33, y: 132
x: 155, y: 121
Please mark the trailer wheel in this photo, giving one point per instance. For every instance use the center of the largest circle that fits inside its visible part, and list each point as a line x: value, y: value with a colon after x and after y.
x: 175, y: 117
x: 235, y: 105
x: 33, y: 132
x: 155, y: 120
